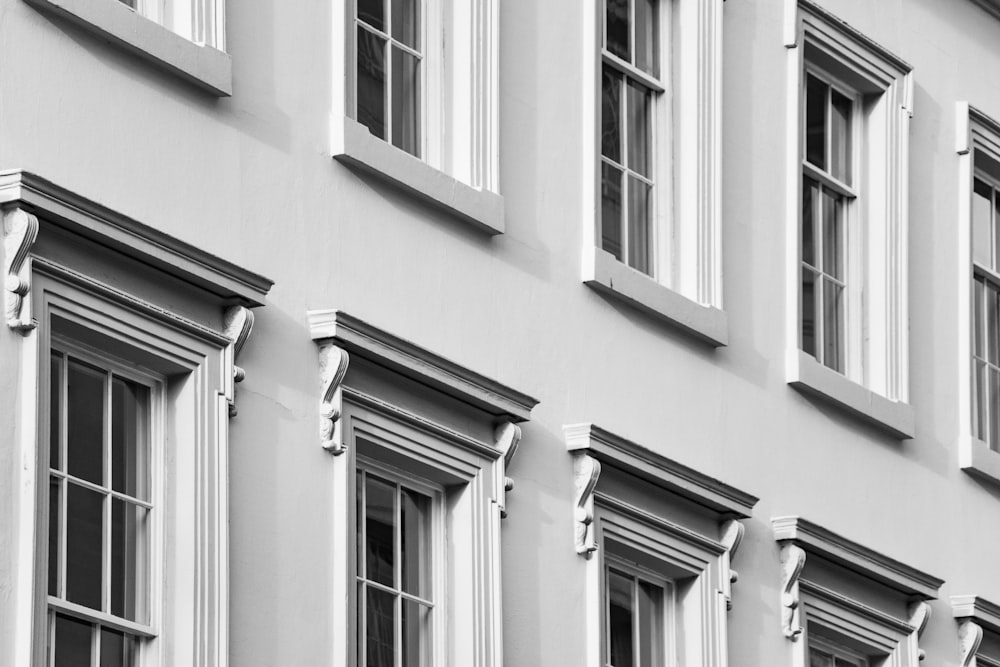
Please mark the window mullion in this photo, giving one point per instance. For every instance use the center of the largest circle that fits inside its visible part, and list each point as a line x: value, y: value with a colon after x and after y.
x: 95, y: 645
x: 623, y: 221
x: 361, y: 567
x: 106, y: 502
x: 397, y: 542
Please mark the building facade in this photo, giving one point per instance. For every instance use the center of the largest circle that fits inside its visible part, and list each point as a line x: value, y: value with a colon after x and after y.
x: 415, y: 334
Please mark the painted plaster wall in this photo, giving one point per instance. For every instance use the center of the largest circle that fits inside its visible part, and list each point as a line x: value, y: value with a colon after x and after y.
x: 250, y: 178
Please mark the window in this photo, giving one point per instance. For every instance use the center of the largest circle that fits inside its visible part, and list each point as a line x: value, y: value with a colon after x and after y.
x: 420, y: 451
x: 197, y: 21
x: 986, y: 317
x: 652, y: 232
x: 847, y: 222
x: 828, y: 654
x: 660, y: 584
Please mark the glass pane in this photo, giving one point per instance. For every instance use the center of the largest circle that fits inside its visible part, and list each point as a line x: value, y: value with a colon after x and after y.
x: 380, y: 531
x: 650, y: 603
x: 978, y: 297
x: 819, y: 659
x: 55, y: 406
x: 808, y: 312
x: 620, y: 615
x: 414, y: 514
x: 982, y: 402
x: 996, y: 233
x: 72, y: 643
x: 84, y: 522
x: 406, y: 22
x: 405, y: 102
x: 639, y: 254
x: 646, y: 37
x: 117, y: 649
x: 371, y: 82
x: 611, y: 210
x: 833, y: 236
x: 617, y: 39
x: 810, y: 194
x: 992, y: 334
x: 380, y: 628
x: 841, y: 662
x: 85, y: 422
x: 833, y: 321
x: 416, y: 632
x: 611, y: 128
x: 637, y: 132
x: 816, y: 92
x: 55, y: 510
x: 840, y: 136
x: 994, y: 423
x: 129, y: 466
x: 982, y: 223
x: 128, y: 559
x: 372, y: 12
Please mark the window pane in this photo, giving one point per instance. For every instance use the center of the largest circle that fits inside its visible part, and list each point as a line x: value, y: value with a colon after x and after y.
x: 650, y: 619
x: 992, y: 335
x: 833, y: 321
x: 371, y: 82
x: 978, y: 297
x: 833, y: 236
x: 617, y: 28
x: 416, y: 631
x: 994, y: 422
x: 996, y: 233
x: 129, y: 466
x: 841, y: 662
x: 840, y: 136
x: 611, y: 210
x: 819, y: 659
x: 85, y: 423
x: 372, y: 12
x: 620, y: 615
x: 72, y: 643
x: 611, y: 127
x: 638, y: 225
x: 405, y: 102
x: 55, y: 511
x: 380, y: 628
x: 128, y: 559
x: 117, y: 649
x: 637, y: 132
x: 982, y: 402
x: 380, y: 514
x: 55, y: 406
x: 84, y: 521
x: 810, y: 194
x: 808, y: 312
x: 414, y: 543
x: 982, y: 223
x: 816, y: 92
x: 405, y: 19
x: 646, y: 37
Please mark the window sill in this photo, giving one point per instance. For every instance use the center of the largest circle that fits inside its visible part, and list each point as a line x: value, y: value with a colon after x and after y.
x: 811, y: 377
x: 976, y: 458
x: 205, y: 67
x: 355, y: 146
x: 607, y: 275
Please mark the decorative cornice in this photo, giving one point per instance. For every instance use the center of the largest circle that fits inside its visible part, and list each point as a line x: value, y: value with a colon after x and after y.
x: 237, y: 325
x: 58, y: 206
x: 364, y: 340
x: 992, y: 7
x: 867, y: 562
x: 970, y: 636
x: 508, y: 437
x: 586, y: 471
x: 984, y: 612
x: 793, y: 559
x: 20, y: 232
x: 920, y: 614
x: 891, y: 65
x: 617, y: 452
x: 333, y: 362
x: 732, y: 537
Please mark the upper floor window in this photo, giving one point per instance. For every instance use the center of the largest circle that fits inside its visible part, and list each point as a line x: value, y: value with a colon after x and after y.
x: 639, y: 603
x: 200, y: 21
x: 986, y: 310
x: 828, y: 654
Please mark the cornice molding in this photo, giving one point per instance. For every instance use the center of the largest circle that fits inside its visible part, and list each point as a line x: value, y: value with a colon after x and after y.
x: 983, y: 612
x: 617, y: 452
x: 817, y: 540
x: 992, y: 7
x: 58, y: 206
x: 408, y: 359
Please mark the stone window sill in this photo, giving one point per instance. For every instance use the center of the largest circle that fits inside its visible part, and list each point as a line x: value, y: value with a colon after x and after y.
x: 976, y: 458
x: 607, y: 275
x: 205, y: 67
x: 811, y: 377
x: 355, y: 146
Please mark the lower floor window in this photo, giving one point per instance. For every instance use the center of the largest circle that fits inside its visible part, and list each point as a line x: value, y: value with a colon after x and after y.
x: 827, y: 654
x: 637, y: 606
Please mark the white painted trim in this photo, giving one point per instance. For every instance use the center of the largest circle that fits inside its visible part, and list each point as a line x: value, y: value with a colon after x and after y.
x: 208, y: 68
x: 984, y: 612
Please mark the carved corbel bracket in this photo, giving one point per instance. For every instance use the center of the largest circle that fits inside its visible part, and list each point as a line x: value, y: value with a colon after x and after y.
x: 920, y: 614
x: 508, y: 437
x: 333, y: 363
x: 970, y: 636
x: 20, y: 232
x: 732, y: 537
x: 793, y: 559
x: 237, y: 323
x: 586, y: 471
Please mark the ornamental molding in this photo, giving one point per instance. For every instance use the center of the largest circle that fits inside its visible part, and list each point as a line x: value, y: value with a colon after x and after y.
x: 508, y: 437
x: 793, y: 559
x: 20, y: 230
x: 237, y: 325
x: 976, y: 616
x: 417, y: 363
x: 586, y: 472
x: 920, y: 614
x: 732, y: 537
x: 970, y: 636
x: 333, y: 362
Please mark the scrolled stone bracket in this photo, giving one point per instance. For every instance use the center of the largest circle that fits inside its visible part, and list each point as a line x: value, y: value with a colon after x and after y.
x: 970, y: 636
x: 508, y: 437
x: 920, y: 614
x: 586, y: 472
x: 333, y: 363
x: 732, y: 537
x: 237, y: 325
x: 20, y: 230
x: 793, y: 559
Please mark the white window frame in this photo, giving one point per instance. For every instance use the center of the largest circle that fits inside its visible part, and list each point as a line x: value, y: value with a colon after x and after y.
x: 976, y: 133
x: 459, y: 168
x: 687, y: 292
x: 669, y: 601
x: 875, y: 388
